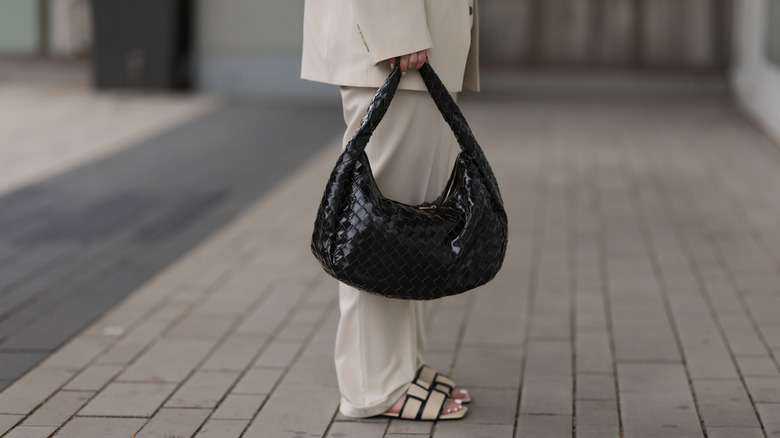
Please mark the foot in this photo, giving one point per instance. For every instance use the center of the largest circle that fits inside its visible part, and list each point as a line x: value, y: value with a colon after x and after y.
x: 451, y: 405
x: 441, y: 382
x: 459, y: 394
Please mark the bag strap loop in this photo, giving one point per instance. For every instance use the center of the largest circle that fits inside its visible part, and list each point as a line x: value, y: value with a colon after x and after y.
x: 444, y: 102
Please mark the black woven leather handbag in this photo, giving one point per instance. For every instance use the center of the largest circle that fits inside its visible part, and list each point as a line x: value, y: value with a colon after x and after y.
x: 415, y: 252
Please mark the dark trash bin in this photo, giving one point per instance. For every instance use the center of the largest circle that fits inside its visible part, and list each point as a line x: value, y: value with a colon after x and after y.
x: 141, y: 44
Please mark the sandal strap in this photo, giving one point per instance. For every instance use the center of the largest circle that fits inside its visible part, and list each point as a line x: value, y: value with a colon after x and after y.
x: 422, y: 403
x: 427, y: 377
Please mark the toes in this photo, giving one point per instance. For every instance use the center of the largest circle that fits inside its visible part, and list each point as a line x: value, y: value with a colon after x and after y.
x: 452, y: 406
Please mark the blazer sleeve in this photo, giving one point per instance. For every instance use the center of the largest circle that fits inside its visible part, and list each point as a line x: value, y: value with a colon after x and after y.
x: 392, y: 27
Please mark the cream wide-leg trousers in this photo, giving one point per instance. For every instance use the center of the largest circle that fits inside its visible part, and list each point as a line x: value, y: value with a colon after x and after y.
x: 381, y: 341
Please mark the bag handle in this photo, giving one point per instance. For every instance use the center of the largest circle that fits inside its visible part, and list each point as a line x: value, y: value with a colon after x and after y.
x: 444, y: 102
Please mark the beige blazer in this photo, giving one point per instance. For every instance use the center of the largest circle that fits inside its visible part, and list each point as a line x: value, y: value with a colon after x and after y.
x: 348, y: 42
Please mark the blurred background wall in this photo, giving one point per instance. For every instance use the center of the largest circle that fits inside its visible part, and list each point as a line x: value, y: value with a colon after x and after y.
x: 18, y: 26
x: 756, y: 67
x: 647, y: 34
x: 252, y: 47
x: 59, y: 28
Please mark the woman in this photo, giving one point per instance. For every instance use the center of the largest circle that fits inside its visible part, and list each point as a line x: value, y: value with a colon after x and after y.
x: 353, y: 43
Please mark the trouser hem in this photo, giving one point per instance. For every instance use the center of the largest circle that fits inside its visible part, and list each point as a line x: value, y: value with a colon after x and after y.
x: 349, y: 410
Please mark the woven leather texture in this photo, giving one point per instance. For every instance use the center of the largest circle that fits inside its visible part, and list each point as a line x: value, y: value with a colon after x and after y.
x: 414, y: 252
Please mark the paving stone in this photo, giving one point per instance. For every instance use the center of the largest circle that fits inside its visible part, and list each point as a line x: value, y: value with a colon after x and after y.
x: 496, y: 329
x: 93, y: 378
x: 757, y: 366
x: 597, y: 413
x: 31, y: 390
x: 549, y: 359
x: 169, y: 360
x: 301, y: 326
x: 764, y: 389
x: 762, y: 307
x: 174, y: 423
x: 128, y: 400
x: 138, y: 338
x: 655, y: 399
x: 546, y: 395
x: 58, y: 409
x: 79, y: 352
x: 357, y: 430
x: 122, y: 353
x: 222, y: 429
x: 235, y: 353
x: 598, y: 431
x: 725, y: 403
x: 258, y: 381
x: 87, y: 427
x: 488, y: 367
x: 400, y: 427
x: 68, y: 307
x: 239, y: 407
x: 31, y: 432
x: 593, y: 352
x: 770, y: 416
x: 202, y: 390
x: 491, y: 406
x: 643, y: 338
x: 453, y: 430
x: 202, y: 327
x: 13, y: 365
x: 339, y: 418
x: 772, y: 334
x: 444, y: 329
x: 596, y: 386
x: 278, y: 354
x: 295, y: 410
x: 741, y: 336
x: 312, y: 369
x: 543, y: 426
x: 734, y: 432
x: 270, y: 315
x: 710, y: 364
x: 9, y: 421
x: 325, y: 338
x: 228, y: 302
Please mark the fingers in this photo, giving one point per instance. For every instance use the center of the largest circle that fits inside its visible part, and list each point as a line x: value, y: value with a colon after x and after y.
x: 404, y: 63
x: 417, y: 59
x: 412, y: 61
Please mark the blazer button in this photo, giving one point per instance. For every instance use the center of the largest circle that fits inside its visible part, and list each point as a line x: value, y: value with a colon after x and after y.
x: 471, y: 10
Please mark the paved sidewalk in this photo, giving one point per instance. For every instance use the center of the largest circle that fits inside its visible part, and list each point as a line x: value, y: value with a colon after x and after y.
x: 640, y: 298
x: 102, y: 191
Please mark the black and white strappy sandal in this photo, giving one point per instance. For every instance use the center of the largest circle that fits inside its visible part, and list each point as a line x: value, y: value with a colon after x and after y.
x: 427, y: 377
x: 423, y: 404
